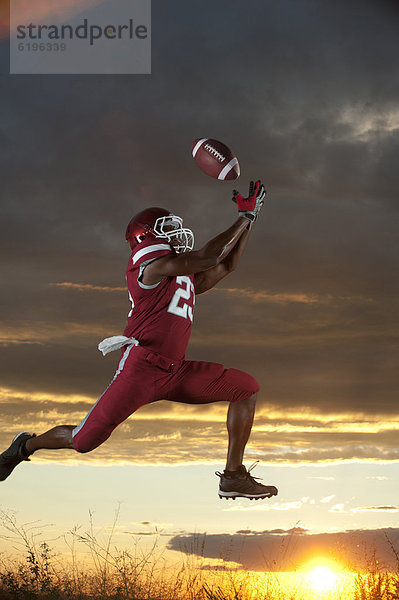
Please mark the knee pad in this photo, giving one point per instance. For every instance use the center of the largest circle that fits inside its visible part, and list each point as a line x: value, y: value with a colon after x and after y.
x: 246, y: 384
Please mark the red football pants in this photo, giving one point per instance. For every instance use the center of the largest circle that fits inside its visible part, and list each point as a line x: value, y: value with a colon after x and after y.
x: 144, y: 376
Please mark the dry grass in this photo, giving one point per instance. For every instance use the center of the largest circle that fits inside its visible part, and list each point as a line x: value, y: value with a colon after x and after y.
x: 138, y: 574
x: 376, y: 583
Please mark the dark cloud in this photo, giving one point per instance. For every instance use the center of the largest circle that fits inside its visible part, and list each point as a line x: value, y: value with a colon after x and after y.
x: 293, y: 530
x: 339, y: 352
x: 173, y: 433
x: 355, y: 549
x: 306, y: 95
x: 377, y: 508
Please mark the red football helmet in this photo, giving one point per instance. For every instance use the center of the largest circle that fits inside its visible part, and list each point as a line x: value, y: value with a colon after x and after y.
x: 154, y: 223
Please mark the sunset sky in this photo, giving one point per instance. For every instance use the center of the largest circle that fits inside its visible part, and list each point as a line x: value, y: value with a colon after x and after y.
x: 306, y: 94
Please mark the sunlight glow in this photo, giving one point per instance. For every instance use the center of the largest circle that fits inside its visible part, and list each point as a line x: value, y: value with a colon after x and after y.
x: 323, y: 579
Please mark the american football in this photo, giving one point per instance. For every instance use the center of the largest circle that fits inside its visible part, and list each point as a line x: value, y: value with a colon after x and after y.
x: 215, y: 159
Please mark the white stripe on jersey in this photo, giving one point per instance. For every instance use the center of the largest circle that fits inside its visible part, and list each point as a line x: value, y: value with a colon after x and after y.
x: 149, y: 249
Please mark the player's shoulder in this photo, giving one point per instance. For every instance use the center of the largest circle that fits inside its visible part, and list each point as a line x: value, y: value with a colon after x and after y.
x: 147, y: 251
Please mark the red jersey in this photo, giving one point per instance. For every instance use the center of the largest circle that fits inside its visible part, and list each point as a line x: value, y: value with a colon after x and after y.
x: 162, y: 314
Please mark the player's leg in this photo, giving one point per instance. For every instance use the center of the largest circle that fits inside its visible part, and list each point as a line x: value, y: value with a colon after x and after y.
x: 53, y: 439
x: 128, y: 390
x: 240, y: 418
x: 24, y: 444
x: 203, y: 382
x: 131, y: 387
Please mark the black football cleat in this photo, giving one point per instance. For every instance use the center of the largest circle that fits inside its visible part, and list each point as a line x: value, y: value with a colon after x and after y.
x: 243, y: 485
x: 14, y: 455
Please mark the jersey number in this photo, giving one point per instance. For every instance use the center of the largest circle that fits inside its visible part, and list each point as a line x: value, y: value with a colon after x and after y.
x: 183, y: 293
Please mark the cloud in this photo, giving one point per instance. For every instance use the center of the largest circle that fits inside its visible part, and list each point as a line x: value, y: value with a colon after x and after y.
x: 255, y: 295
x: 41, y: 11
x: 44, y: 11
x: 286, y: 298
x: 263, y: 296
x: 292, y: 530
x: 143, y: 533
x: 4, y: 19
x: 291, y: 549
x: 376, y: 508
x: 327, y: 499
x: 365, y: 123
x: 279, y: 506
x: 310, y: 311
x: 166, y: 432
x: 45, y: 334
x: 83, y: 287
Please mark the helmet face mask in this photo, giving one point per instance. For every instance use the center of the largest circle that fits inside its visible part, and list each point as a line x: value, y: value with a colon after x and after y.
x: 154, y: 223
x: 171, y: 228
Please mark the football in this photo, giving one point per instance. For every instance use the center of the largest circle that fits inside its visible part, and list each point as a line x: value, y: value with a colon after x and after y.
x: 215, y: 159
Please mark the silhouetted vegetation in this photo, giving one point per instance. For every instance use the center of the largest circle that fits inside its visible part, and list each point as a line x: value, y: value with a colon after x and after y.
x: 137, y: 574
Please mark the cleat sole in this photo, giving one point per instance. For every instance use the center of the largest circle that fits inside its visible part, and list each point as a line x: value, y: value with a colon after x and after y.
x: 234, y: 495
x: 264, y: 497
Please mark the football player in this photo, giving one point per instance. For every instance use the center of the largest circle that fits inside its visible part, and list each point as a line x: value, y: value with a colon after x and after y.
x: 163, y: 277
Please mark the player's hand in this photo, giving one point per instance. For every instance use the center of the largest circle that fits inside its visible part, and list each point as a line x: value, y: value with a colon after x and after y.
x: 250, y: 207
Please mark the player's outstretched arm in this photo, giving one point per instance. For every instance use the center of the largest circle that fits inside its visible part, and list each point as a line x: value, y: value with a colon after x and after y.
x: 216, y: 250
x: 208, y: 279
x: 249, y: 207
x: 187, y: 263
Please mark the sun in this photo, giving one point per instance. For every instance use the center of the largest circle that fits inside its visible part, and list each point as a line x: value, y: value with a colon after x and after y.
x: 323, y: 575
x: 323, y: 579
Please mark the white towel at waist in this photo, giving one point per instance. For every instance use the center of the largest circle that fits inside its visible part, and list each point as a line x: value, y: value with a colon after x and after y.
x: 115, y: 343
